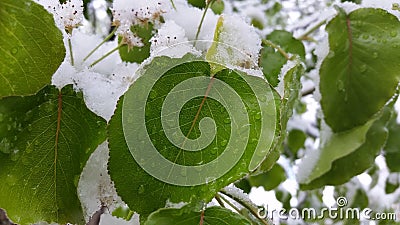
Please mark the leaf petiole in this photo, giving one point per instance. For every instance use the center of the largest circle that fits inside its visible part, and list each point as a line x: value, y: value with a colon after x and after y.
x: 70, y: 51
x: 106, y: 55
x: 209, y: 3
x: 104, y: 41
x: 305, y: 36
x: 279, y: 49
x: 249, y: 207
x: 173, y: 4
x: 218, y: 196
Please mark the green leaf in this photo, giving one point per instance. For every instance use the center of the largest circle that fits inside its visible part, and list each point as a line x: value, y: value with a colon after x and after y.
x: 138, y: 54
x: 151, y: 120
x: 360, y: 73
x: 296, y: 139
x: 291, y: 95
x: 272, y: 61
x: 392, y: 161
x: 218, y: 6
x: 198, y: 3
x: 244, y: 185
x: 392, y: 147
x: 284, y: 197
x: 123, y: 212
x: 347, y: 154
x: 212, y: 216
x: 31, y: 47
x: 270, y: 179
x: 360, y: 200
x: 49, y: 137
x: 391, y: 187
x: 393, y: 141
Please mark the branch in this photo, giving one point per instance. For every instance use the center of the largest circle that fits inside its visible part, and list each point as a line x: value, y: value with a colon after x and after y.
x: 252, y: 209
x: 280, y: 50
x: 311, y: 30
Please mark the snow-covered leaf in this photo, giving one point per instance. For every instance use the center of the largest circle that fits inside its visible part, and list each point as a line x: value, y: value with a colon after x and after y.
x: 212, y: 216
x: 31, y: 47
x: 46, y: 140
x: 139, y: 53
x: 291, y: 95
x: 272, y: 61
x: 189, y: 133
x: 360, y: 73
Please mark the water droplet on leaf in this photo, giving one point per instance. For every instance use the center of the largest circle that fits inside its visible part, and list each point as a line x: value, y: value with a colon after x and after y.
x: 340, y: 85
x: 258, y: 116
x: 11, y: 180
x: 153, y: 94
x: 223, y: 143
x: 141, y: 189
x: 214, y: 150
x: 14, y: 51
x: 393, y: 33
x: 227, y: 120
x: 15, y: 154
x: 331, y: 54
x: 29, y: 147
x: 363, y: 68
x: 375, y: 55
x: 5, y: 146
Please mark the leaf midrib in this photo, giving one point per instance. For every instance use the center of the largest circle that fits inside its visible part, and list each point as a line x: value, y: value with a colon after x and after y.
x: 350, y: 51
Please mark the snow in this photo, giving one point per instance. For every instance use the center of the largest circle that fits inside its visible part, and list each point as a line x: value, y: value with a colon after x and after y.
x: 103, y: 84
x: 95, y: 186
x: 397, y: 107
x: 239, y: 194
x: 290, y: 64
x: 83, y: 43
x: 130, y: 12
x: 382, y: 4
x: 251, y: 72
x: 107, y: 219
x: 377, y: 196
x: 307, y: 164
x: 306, y: 122
x: 127, y: 13
x: 188, y: 18
x: 68, y: 15
x: 349, y: 7
x: 101, y: 92
x: 178, y: 205
x: 239, y: 35
x: 171, y: 41
x: 64, y: 75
